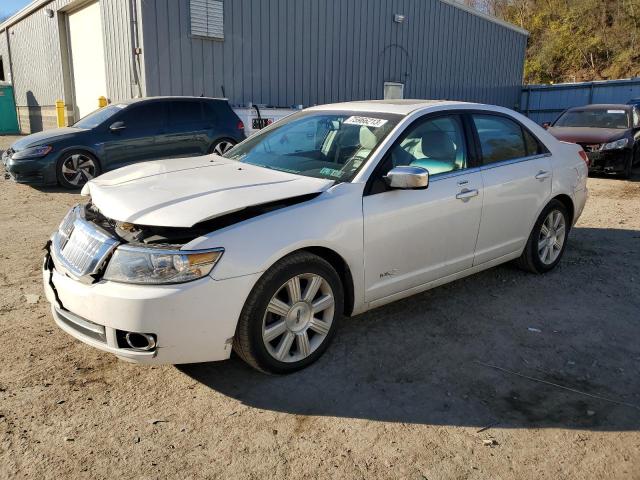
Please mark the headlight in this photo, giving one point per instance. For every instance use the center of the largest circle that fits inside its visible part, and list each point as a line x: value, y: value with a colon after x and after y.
x: 153, y: 266
x: 33, y: 152
x: 615, y: 144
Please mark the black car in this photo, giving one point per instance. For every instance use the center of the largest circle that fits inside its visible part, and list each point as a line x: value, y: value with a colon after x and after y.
x: 121, y: 134
x: 609, y: 133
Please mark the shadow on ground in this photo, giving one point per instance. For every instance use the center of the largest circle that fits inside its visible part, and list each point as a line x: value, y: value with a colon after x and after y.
x: 416, y: 361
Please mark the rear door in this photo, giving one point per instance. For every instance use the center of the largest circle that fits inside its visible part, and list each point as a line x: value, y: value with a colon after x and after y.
x: 413, y: 237
x: 137, y: 140
x: 516, y: 174
x: 187, y: 132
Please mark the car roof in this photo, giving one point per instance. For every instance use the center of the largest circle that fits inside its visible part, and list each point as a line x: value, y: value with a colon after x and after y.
x: 165, y: 98
x: 401, y: 107
x: 603, y: 106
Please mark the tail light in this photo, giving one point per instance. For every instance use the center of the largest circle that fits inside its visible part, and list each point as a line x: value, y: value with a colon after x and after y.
x: 240, y: 125
x: 584, y: 156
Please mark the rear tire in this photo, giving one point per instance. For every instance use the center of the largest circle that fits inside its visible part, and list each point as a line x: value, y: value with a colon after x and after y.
x: 291, y: 315
x: 548, y: 239
x: 222, y: 146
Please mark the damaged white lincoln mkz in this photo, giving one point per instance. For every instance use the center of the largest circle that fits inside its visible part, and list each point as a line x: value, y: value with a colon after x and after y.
x: 332, y: 211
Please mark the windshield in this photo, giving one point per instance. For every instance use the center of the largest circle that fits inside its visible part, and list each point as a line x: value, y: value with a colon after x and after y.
x: 605, y: 118
x: 332, y: 145
x: 97, y: 117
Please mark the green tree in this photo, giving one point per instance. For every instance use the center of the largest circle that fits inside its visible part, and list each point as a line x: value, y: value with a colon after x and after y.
x: 575, y: 40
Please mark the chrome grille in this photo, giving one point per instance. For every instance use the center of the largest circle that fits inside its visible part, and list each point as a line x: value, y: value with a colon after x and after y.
x: 80, y: 247
x: 66, y: 227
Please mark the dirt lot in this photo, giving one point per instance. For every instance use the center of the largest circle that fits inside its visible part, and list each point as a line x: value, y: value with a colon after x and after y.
x: 402, y: 393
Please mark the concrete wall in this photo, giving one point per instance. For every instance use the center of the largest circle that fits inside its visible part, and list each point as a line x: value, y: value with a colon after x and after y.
x: 40, y: 61
x: 286, y: 52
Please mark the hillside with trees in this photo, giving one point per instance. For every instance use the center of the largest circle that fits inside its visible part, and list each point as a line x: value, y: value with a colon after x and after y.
x: 574, y: 40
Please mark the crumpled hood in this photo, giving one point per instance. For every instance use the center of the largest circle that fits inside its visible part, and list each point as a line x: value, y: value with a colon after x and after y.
x: 586, y: 134
x: 184, y: 191
x: 42, y: 138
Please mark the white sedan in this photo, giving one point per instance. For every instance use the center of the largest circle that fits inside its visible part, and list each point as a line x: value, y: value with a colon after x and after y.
x: 332, y: 211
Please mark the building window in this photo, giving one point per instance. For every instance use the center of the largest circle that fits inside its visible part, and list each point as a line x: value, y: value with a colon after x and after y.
x: 2, y: 77
x: 207, y: 18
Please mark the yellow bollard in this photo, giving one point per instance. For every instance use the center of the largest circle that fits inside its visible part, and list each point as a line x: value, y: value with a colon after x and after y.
x: 60, y: 113
x: 102, y: 102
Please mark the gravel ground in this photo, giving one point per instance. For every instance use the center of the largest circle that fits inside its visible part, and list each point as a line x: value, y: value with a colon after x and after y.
x: 405, y: 391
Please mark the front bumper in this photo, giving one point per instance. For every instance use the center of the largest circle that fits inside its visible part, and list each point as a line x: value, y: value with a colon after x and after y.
x: 610, y: 161
x: 193, y: 322
x: 35, y: 171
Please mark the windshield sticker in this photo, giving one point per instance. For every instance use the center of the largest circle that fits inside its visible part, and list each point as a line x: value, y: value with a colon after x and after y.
x: 616, y: 111
x: 365, y: 121
x: 331, y: 172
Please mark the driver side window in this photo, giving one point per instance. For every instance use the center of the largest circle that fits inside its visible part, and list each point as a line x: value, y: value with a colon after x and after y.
x: 435, y: 144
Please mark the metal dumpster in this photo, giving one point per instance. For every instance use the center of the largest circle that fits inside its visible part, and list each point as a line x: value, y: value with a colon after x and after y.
x: 8, y: 115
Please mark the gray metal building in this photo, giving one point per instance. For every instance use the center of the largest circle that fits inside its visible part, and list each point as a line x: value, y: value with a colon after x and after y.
x: 272, y: 52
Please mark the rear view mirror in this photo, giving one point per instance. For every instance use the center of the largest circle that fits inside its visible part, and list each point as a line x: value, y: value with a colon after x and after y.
x: 546, y: 125
x: 407, y: 178
x: 114, y: 127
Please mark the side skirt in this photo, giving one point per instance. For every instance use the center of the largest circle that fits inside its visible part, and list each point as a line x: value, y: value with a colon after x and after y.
x: 441, y: 281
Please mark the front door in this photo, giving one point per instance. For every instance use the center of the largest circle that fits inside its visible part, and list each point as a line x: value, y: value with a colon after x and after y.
x: 413, y: 237
x: 516, y: 174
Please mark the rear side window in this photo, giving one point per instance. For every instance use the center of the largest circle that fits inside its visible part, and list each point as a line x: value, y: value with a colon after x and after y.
x: 147, y: 115
x: 533, y: 145
x: 213, y: 110
x: 500, y: 138
x: 185, y: 113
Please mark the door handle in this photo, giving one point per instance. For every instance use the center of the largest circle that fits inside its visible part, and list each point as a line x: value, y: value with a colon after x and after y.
x: 466, y: 193
x: 542, y: 174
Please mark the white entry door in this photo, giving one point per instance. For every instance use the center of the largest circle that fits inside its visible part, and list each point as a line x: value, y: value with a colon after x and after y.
x: 87, y: 58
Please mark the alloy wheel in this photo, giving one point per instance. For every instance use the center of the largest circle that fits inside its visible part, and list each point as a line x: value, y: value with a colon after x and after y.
x: 222, y: 147
x: 552, y: 236
x: 78, y: 169
x: 298, y: 318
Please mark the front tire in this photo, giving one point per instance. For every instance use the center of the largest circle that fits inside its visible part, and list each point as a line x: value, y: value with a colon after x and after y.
x: 76, y: 168
x: 548, y: 239
x: 291, y: 315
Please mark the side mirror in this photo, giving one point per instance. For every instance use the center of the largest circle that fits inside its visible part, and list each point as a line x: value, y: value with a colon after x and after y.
x: 546, y: 125
x: 116, y: 126
x: 407, y: 178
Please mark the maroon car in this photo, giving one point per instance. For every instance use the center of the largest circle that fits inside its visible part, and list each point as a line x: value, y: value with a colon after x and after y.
x: 610, y: 134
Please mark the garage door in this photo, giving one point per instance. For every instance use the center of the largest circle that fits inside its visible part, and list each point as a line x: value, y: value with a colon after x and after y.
x: 87, y: 58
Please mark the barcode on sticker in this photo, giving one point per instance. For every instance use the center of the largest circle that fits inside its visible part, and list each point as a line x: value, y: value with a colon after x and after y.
x: 365, y: 121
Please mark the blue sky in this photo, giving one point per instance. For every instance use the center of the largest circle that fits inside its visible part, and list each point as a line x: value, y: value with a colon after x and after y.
x: 9, y: 7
